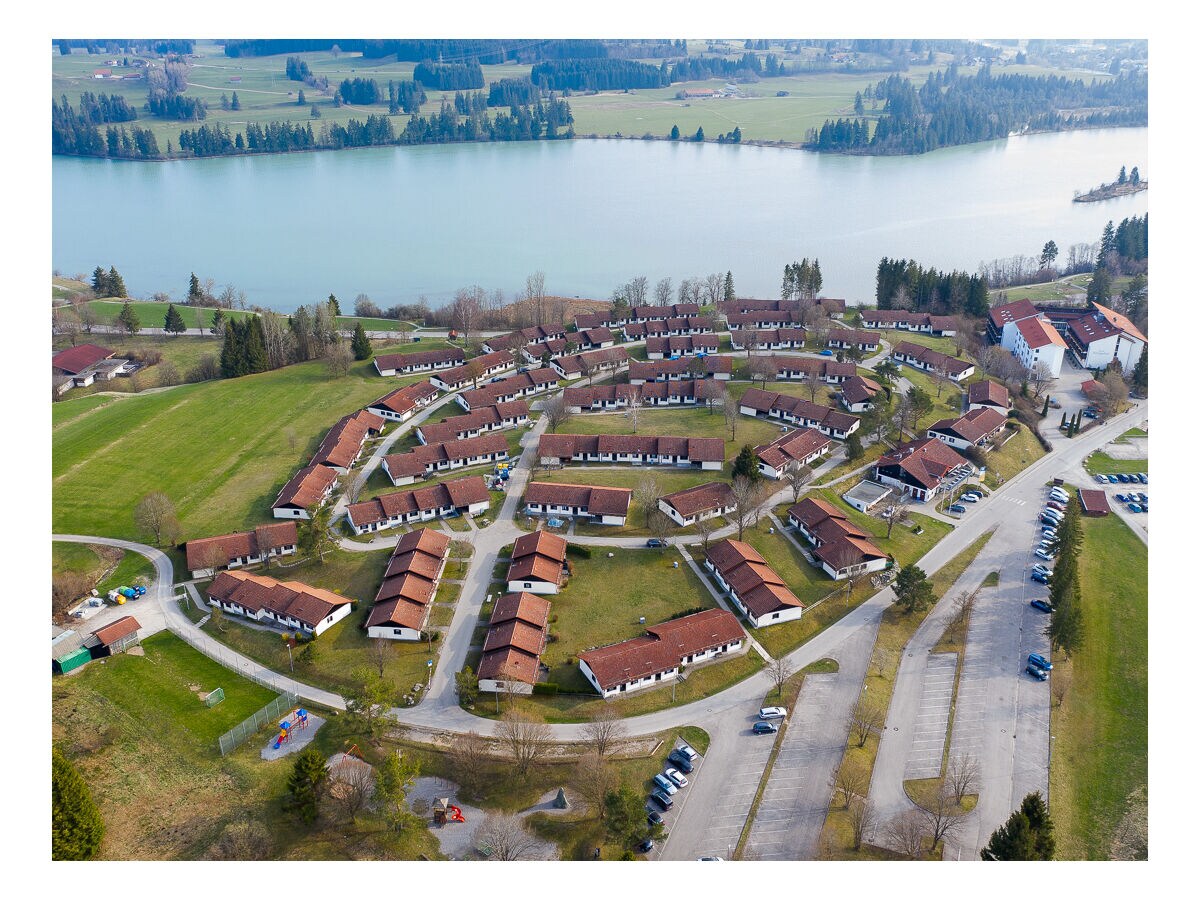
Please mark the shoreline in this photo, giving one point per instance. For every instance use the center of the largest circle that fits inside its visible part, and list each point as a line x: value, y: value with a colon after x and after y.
x: 1111, y: 192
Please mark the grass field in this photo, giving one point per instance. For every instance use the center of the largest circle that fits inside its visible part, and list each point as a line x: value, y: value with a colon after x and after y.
x: 152, y: 314
x: 184, y: 351
x: 122, y: 568
x: 826, y: 394
x: 147, y: 746
x: 1100, y: 463
x: 949, y: 404
x: 1099, y: 751
x: 221, y: 450
x: 1018, y: 451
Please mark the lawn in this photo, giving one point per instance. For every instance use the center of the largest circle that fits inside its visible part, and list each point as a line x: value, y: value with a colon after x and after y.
x: 147, y: 746
x: 942, y: 344
x: 184, y: 351
x: 373, y: 324
x: 221, y: 450
x: 697, y: 422
x: 153, y: 314
x: 810, y: 584
x: 1018, y: 452
x: 95, y: 560
x: 826, y: 394
x: 1100, y: 734
x: 1100, y: 463
x: 948, y: 405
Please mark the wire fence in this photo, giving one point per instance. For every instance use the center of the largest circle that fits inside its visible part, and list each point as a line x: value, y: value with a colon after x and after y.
x: 236, y: 736
x: 227, y: 658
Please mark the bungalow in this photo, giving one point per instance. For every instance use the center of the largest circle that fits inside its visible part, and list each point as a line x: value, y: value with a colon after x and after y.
x: 1104, y: 336
x: 539, y: 561
x: 798, y: 411
x: 920, y: 469
x: 410, y: 582
x: 676, y: 326
x: 1002, y: 321
x: 922, y: 322
x: 1093, y: 503
x: 703, y: 453
x: 445, y: 456
x: 802, y: 445
x: 534, y: 354
x: 847, y: 338
x: 858, y: 393
x: 658, y: 656
x: 242, y: 548
x: 696, y: 504
x: 308, y: 489
x: 792, y: 368
x: 682, y: 345
x: 344, y: 442
x: 842, y: 549
x: 471, y: 371
x: 113, y: 638
x: 755, y: 588
x: 609, y: 319
x: 388, y: 364
x: 684, y: 368
x: 517, y: 634
x: 1037, y: 343
x: 83, y: 365
x: 672, y: 311
x: 474, y: 423
x: 603, y: 505
x: 609, y: 397
x: 400, y: 404
x: 972, y: 429
x: 595, y: 338
x: 516, y: 340
x: 929, y: 360
x: 988, y: 395
x: 289, y: 604
x: 464, y: 496
x: 763, y: 319
x: 770, y: 339
x: 590, y: 363
x: 749, y: 304
x: 75, y: 360
x: 512, y: 387
x: 605, y: 397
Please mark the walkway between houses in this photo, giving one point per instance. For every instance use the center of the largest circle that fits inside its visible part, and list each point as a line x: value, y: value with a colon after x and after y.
x: 722, y: 601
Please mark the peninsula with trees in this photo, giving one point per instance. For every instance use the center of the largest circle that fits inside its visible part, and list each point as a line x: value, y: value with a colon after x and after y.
x: 1125, y: 184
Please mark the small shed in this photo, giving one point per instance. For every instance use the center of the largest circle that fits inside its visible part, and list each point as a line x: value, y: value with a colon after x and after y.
x: 866, y: 494
x: 113, y: 638
x: 68, y: 653
x: 1094, y: 503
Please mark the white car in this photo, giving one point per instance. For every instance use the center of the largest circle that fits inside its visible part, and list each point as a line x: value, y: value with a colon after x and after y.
x: 1042, y: 554
x: 772, y: 712
x: 1058, y: 494
x: 970, y: 498
x: 710, y: 859
x: 676, y: 776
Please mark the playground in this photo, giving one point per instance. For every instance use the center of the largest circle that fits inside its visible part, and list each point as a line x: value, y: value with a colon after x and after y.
x: 453, y: 822
x: 294, y: 733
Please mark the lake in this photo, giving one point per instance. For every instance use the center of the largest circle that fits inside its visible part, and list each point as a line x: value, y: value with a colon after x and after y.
x: 400, y: 222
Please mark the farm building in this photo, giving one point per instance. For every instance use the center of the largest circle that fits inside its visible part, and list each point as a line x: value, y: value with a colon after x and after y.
x: 113, y: 638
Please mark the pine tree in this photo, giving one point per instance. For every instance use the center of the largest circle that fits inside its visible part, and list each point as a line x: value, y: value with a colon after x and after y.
x: 218, y: 323
x: 730, y: 296
x: 1140, y: 379
x: 256, y: 346
x: 76, y: 825
x: 235, y: 103
x: 194, y: 294
x: 304, y: 784
x: 699, y: 136
x: 99, y: 282
x: 334, y: 307
x: 1046, y: 406
x: 128, y: 319
x: 233, y: 357
x: 1014, y: 840
x: 1063, y: 423
x: 115, y: 284
x: 174, y: 321
x: 1135, y: 177
x: 746, y: 464
x: 1033, y: 807
x: 674, y: 132
x: 360, y: 344
x: 300, y: 101
x: 1100, y: 287
x: 854, y: 448
x: 913, y: 590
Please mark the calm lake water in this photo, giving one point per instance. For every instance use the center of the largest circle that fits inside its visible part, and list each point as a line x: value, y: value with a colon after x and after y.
x: 398, y: 222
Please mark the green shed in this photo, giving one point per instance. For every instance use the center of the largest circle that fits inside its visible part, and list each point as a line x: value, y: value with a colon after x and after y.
x: 73, y: 660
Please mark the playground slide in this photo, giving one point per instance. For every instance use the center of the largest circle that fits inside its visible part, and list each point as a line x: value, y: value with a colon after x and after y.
x: 456, y: 814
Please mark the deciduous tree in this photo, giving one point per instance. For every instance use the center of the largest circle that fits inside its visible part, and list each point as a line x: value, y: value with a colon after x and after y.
x: 506, y: 838
x: 155, y: 515
x: 527, y: 740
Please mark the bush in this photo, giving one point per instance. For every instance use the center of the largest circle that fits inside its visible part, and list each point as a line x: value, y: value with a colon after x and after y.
x: 581, y: 550
x: 430, y: 635
x: 688, y: 612
x: 547, y: 688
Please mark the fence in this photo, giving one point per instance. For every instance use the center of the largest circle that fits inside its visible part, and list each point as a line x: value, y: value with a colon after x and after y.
x: 226, y: 658
x: 236, y: 736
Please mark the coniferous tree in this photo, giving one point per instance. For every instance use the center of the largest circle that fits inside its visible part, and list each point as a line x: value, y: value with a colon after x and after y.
x: 300, y: 101
x: 1046, y: 406
x: 194, y: 294
x: 256, y: 346
x: 76, y: 826
x: 235, y: 103
x: 1140, y: 379
x: 361, y: 344
x: 1013, y: 840
x: 218, y: 323
x: 173, y: 321
x: 730, y: 296
x: 304, y: 784
x: 674, y: 132
x: 913, y: 590
x: 334, y: 307
x: 100, y: 282
x: 128, y: 319
x: 1135, y: 177
x: 1034, y: 808
x: 1100, y: 287
x: 746, y: 464
x: 699, y: 135
x: 1122, y: 178
x: 233, y: 357
x: 115, y: 284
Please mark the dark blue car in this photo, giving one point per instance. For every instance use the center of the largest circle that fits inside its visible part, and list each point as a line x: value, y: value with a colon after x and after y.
x: 1041, y: 605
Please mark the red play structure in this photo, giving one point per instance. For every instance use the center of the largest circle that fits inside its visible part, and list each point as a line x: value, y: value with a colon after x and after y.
x: 444, y: 811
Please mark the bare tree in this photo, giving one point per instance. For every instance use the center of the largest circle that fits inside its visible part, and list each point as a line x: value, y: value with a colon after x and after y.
x: 67, y: 324
x: 646, y: 494
x: 634, y: 409
x: 593, y: 778
x: 866, y: 718
x: 762, y: 369
x: 715, y: 393
x: 466, y: 309
x: 850, y: 780
x: 797, y: 475
x: 168, y: 375
x: 880, y: 658
x: 714, y: 287
x: 662, y: 292
x: 941, y: 814
x: 704, y: 529
x: 811, y: 382
x: 381, y: 653
x: 688, y: 288
x: 526, y: 739
x: 154, y: 514
x: 352, y: 485
x: 962, y: 776
x: 748, y: 497
x: 658, y: 523
x: 604, y: 730
x: 751, y: 340
x: 556, y: 412
x: 87, y: 317
x: 941, y: 377
x: 506, y: 838
x: 290, y: 437
x: 964, y: 333
x: 862, y: 819
x: 907, y: 834
x: 895, y: 513
x: 213, y: 557
x: 901, y: 299
x: 278, y: 339
x: 1039, y: 376
x: 1116, y: 394
x: 780, y: 671
x: 635, y: 290
x: 471, y: 761
x: 350, y: 785
x: 732, y: 416
x: 338, y: 358
x: 1059, y: 687
x: 535, y: 293
x: 964, y: 604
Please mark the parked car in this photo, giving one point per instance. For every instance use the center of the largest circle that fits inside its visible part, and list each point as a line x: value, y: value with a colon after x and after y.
x: 1054, y: 404
x: 1133, y: 507
x: 665, y: 784
x: 1123, y: 478
x: 1057, y: 504
x: 772, y: 712
x: 656, y: 543
x: 676, y: 777
x: 970, y: 498
x: 1038, y: 567
x: 1041, y: 605
x: 682, y: 762
x: 1121, y: 498
x: 957, y: 508
x: 1145, y: 506
x: 1052, y: 513
x: 686, y: 749
x: 662, y: 801
x: 654, y: 818
x: 710, y: 859
x: 1042, y: 554
x: 1142, y: 497
x: 1048, y: 522
x: 978, y: 495
x: 1039, y: 577
x: 1039, y: 674
x: 765, y: 728
x: 1050, y: 533
x: 645, y: 846
x: 1103, y: 479
x: 1059, y: 497
x: 1040, y: 661
x: 1143, y: 478
x: 1089, y: 414
x: 826, y: 353
x: 1112, y: 479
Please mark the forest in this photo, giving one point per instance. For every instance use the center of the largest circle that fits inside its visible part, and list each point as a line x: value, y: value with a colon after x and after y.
x: 903, y: 284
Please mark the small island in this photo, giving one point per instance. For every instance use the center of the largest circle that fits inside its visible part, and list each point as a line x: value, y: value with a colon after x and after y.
x: 1125, y: 184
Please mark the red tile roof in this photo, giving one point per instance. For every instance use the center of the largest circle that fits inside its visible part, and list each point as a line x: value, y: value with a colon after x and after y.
x: 1012, y: 312
x: 1120, y: 322
x: 419, y: 358
x: 493, y: 416
x: 974, y: 426
x: 306, y: 604
x: 1039, y: 333
x: 345, y: 440
x: 1094, y: 503
x: 538, y: 556
x: 683, y: 343
x: 117, y: 629
x: 593, y: 359
x: 406, y: 398
x: 799, y: 408
x: 308, y: 487
x: 512, y: 386
x: 240, y: 543
x: 599, y: 501
x: 76, y: 359
x: 797, y: 444
x: 415, y: 463
x: 655, y: 369
x: 760, y: 589
x: 528, y: 608
x: 564, y: 446
x: 988, y: 392
x: 701, y: 499
x: 663, y: 647
x: 857, y: 389
x: 923, y: 462
x: 475, y: 367
x: 459, y: 493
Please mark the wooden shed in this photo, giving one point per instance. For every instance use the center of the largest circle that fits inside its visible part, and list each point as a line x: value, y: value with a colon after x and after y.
x: 113, y: 638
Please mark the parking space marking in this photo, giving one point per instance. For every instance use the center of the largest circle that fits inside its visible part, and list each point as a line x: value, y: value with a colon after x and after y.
x: 924, y: 758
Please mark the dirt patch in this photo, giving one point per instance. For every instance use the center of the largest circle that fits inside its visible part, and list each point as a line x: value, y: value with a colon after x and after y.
x: 631, y: 748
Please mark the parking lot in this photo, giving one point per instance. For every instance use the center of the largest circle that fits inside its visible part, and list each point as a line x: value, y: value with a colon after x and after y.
x: 929, y: 734
x: 730, y: 797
